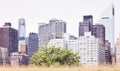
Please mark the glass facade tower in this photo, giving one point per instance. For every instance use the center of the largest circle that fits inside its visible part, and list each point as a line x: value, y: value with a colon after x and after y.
x: 21, y: 37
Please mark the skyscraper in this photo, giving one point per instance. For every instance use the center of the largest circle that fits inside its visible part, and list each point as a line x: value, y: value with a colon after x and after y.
x: 107, y: 19
x: 98, y: 30
x: 44, y: 34
x: 86, y: 25
x: 54, y: 29
x: 57, y: 28
x: 88, y: 18
x: 22, y: 42
x: 32, y: 44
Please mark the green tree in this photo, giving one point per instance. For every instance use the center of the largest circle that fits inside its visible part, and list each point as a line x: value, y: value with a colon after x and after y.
x: 51, y: 55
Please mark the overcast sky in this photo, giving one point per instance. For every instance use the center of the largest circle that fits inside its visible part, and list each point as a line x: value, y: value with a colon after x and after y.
x: 71, y: 11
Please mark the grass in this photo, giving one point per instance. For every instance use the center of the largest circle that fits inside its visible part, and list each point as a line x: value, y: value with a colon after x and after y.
x: 62, y: 68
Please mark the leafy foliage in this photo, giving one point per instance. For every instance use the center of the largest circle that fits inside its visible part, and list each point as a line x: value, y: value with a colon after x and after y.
x: 54, y: 56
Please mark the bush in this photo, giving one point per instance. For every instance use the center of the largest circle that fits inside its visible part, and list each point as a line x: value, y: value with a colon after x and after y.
x: 54, y: 56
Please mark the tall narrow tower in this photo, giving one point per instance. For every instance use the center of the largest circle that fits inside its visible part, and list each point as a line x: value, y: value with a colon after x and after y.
x: 22, y: 42
x: 107, y: 19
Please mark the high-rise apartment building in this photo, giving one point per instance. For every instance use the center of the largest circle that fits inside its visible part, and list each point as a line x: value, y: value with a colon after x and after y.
x: 22, y: 47
x: 32, y: 44
x: 9, y: 38
x: 98, y: 30
x: 54, y: 29
x: 91, y: 51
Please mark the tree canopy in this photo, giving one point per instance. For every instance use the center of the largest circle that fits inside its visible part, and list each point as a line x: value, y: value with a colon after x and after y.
x: 51, y: 56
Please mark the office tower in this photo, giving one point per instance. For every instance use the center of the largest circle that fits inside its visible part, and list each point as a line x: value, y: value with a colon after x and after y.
x: 44, y: 34
x: 107, y: 19
x: 57, y: 28
x: 86, y: 25
x: 91, y: 51
x: 118, y: 51
x: 54, y: 29
x: 107, y: 52
x: 22, y: 42
x: 9, y: 38
x: 98, y: 31
x: 88, y: 18
x: 32, y: 44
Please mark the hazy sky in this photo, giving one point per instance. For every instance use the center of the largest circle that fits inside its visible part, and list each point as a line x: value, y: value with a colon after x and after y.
x: 71, y: 11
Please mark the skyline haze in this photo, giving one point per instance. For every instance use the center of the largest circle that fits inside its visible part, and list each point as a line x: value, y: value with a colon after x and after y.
x: 70, y: 11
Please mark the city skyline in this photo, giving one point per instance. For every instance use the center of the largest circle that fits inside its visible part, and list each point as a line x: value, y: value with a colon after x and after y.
x: 39, y: 11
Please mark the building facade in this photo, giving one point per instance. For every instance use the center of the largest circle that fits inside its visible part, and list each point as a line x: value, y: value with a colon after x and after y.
x: 44, y: 34
x: 68, y: 42
x: 107, y: 19
x: 9, y: 38
x: 88, y: 47
x: 98, y: 31
x: 58, y: 42
x: 91, y: 51
x: 118, y: 51
x: 4, y: 56
x: 32, y: 44
x: 86, y: 25
x: 17, y: 59
x: 108, y: 57
x: 22, y: 46
x: 73, y: 45
x: 54, y: 29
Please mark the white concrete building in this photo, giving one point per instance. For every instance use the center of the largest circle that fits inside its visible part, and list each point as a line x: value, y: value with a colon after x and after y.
x: 73, y: 45
x: 67, y: 42
x: 88, y: 47
x: 90, y: 50
x: 58, y: 42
